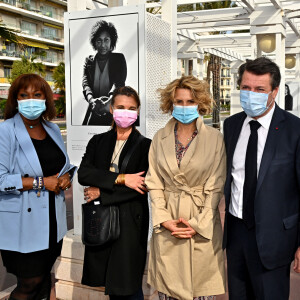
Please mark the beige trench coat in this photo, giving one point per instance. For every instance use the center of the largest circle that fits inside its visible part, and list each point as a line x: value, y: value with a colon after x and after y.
x: 187, y: 268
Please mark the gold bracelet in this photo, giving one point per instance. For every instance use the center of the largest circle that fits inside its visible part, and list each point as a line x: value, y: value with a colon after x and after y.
x: 120, y: 180
x: 123, y: 179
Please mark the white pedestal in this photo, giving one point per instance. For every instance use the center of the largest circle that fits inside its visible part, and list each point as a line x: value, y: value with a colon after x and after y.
x: 68, y: 272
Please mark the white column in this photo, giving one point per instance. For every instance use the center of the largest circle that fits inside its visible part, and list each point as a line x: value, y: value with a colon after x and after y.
x: 297, y: 71
x: 280, y: 61
x: 179, y: 67
x: 169, y: 14
x: 186, y: 67
x: 200, y: 70
x: 76, y: 5
x: 195, y: 67
x: 253, y: 46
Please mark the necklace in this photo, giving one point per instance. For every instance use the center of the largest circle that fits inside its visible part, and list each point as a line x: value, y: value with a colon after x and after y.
x: 32, y: 126
x: 113, y: 167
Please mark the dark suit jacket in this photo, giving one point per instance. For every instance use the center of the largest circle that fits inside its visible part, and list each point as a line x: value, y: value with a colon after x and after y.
x: 276, y: 206
x: 118, y: 266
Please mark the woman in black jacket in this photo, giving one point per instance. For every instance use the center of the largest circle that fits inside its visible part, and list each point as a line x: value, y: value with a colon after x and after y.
x: 118, y: 265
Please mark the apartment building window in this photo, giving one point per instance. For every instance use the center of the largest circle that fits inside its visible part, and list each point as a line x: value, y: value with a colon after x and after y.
x: 49, y: 76
x: 50, y: 33
x: 29, y: 4
x: 228, y: 81
x: 51, y: 56
x: 48, y: 11
x: 7, y: 72
x: 28, y: 28
x: 11, y: 2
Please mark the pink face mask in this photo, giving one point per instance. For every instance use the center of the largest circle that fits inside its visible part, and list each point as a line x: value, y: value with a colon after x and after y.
x: 124, y: 117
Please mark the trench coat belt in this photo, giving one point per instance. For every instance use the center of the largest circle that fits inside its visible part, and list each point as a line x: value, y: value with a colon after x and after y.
x: 187, y: 193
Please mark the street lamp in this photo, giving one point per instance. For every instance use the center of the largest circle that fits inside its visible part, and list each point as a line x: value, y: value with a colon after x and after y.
x: 267, y: 42
x: 290, y: 61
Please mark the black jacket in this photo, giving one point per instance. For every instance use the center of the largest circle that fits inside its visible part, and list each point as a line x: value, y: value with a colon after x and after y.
x: 277, y: 200
x: 117, y: 73
x: 118, y: 266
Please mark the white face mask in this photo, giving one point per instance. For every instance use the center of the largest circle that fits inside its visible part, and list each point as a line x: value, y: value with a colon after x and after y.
x: 31, y: 109
x: 254, y: 104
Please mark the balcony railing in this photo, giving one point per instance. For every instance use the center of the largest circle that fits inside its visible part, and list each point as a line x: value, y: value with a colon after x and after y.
x: 52, y: 37
x: 27, y: 6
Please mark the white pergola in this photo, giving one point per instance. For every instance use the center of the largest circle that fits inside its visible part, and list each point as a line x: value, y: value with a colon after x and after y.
x: 216, y: 31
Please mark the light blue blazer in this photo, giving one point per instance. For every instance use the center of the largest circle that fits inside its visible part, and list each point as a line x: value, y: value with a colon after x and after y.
x: 24, y: 217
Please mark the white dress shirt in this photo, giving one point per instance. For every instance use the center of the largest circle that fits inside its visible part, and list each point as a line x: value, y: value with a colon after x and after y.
x: 239, y: 157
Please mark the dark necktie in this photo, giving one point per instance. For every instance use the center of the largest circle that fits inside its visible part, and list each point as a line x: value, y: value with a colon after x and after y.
x: 250, y: 176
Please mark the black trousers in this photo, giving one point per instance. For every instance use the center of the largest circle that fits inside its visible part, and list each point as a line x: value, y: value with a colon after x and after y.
x: 248, y: 279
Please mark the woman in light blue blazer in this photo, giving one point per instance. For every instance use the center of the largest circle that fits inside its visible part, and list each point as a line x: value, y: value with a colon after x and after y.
x: 34, y: 172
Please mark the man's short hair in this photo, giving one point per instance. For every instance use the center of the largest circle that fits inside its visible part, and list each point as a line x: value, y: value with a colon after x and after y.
x: 261, y: 66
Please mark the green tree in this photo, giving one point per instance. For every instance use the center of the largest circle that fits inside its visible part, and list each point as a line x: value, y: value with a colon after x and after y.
x: 60, y: 83
x: 25, y: 66
x: 9, y: 34
x: 59, y: 77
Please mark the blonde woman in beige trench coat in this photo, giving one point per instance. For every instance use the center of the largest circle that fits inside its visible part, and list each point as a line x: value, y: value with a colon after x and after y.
x: 185, y: 178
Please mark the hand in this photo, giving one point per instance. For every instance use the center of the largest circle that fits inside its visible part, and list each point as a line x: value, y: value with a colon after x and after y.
x: 104, y: 99
x: 51, y: 183
x: 64, y: 181
x: 178, y: 229
x: 188, y: 233
x: 136, y: 182
x: 92, y: 101
x: 297, y: 261
x: 91, y: 193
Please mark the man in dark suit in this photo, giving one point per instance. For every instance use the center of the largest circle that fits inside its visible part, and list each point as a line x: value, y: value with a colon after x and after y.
x: 262, y: 189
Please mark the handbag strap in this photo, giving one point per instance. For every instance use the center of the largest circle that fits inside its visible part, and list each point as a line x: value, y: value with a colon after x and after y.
x: 129, y: 153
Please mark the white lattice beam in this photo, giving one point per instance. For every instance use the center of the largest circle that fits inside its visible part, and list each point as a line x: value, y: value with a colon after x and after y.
x: 219, y: 54
x: 249, y: 4
x: 293, y: 26
x: 225, y: 51
x: 214, y: 24
x: 276, y: 3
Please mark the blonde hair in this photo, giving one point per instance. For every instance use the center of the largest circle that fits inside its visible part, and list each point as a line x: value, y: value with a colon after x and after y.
x: 199, y: 90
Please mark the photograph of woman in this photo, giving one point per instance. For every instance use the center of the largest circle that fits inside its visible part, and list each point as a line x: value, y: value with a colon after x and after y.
x: 34, y: 173
x: 103, y: 72
x: 118, y: 265
x: 185, y: 180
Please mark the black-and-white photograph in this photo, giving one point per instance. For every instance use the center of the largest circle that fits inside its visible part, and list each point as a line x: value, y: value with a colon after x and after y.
x: 291, y: 96
x: 104, y: 55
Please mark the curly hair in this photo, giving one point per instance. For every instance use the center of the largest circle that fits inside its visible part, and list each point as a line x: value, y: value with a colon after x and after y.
x: 22, y: 82
x: 100, y: 27
x: 199, y: 90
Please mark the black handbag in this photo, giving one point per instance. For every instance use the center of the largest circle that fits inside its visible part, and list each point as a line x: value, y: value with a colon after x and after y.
x: 100, y: 223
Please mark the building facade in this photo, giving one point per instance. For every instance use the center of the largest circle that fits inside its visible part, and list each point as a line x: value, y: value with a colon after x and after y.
x: 40, y: 23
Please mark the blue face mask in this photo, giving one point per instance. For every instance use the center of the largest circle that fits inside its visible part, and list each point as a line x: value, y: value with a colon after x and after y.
x: 185, y: 114
x: 254, y: 104
x: 31, y: 109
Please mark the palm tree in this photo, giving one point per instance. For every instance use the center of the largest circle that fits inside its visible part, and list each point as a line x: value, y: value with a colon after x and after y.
x: 9, y: 34
x: 25, y: 66
x: 59, y: 83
